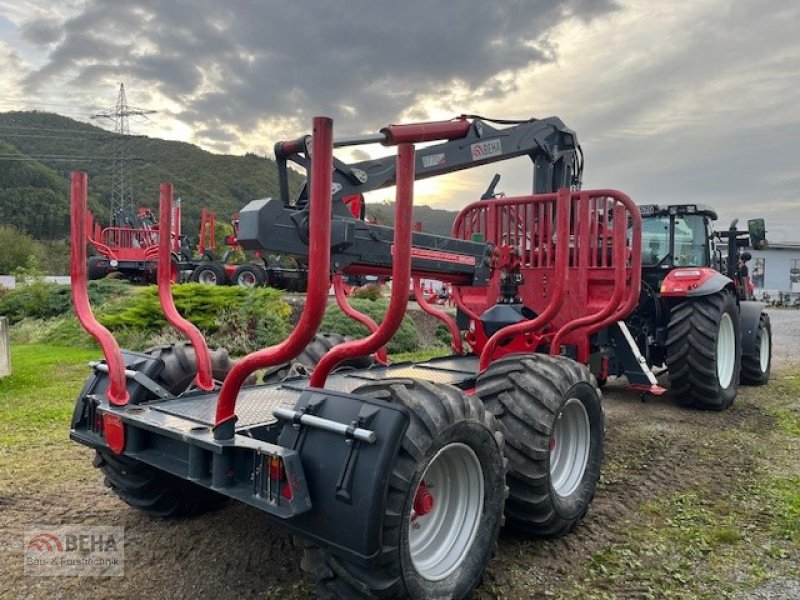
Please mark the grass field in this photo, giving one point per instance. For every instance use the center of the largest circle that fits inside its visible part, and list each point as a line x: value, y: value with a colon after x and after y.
x: 690, y: 504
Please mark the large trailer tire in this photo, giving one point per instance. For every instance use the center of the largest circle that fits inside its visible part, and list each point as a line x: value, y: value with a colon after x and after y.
x: 94, y: 270
x: 151, y: 490
x: 756, y: 367
x: 452, y: 453
x: 550, y: 411
x: 249, y: 275
x: 305, y: 362
x: 210, y: 274
x: 704, y: 351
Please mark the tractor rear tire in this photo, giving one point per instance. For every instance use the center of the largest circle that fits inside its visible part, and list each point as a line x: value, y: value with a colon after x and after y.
x: 305, y: 362
x: 210, y: 274
x: 704, y: 351
x: 756, y: 367
x: 151, y: 490
x: 453, y: 453
x: 249, y: 276
x: 549, y: 409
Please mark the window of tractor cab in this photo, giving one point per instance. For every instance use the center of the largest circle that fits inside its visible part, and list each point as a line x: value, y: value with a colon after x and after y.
x: 690, y: 241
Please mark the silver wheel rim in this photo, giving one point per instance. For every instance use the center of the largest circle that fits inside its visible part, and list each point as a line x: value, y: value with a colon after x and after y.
x: 440, y: 539
x: 569, y: 448
x: 207, y: 277
x: 764, y: 350
x: 726, y: 351
x: 246, y: 279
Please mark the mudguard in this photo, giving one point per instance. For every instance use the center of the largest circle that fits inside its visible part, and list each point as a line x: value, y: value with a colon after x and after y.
x: 693, y: 282
x: 348, y: 480
x: 749, y: 316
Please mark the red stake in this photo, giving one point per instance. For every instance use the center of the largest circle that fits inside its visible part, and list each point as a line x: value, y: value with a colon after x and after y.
x: 319, y: 253
x: 118, y: 388
x: 204, y: 379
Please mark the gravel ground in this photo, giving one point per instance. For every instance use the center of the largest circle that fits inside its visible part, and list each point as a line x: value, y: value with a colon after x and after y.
x: 786, y: 337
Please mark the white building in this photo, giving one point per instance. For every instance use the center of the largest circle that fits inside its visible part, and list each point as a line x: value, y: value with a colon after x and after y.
x: 777, y: 267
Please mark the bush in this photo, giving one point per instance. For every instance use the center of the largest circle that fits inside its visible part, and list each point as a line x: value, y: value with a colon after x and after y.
x: 17, y: 247
x: 405, y: 340
x: 38, y: 299
x: 203, y: 305
x: 370, y: 291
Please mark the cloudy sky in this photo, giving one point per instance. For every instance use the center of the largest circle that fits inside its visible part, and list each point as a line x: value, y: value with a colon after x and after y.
x: 681, y: 101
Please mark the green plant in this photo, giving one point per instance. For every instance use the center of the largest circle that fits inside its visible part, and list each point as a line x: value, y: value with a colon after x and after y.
x: 405, y: 340
x: 368, y: 292
x: 201, y: 304
x: 39, y: 299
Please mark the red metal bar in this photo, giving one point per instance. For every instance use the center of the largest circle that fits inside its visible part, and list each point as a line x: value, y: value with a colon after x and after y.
x: 118, y: 388
x: 634, y: 261
x: 204, y: 379
x: 319, y: 252
x: 341, y: 299
x: 401, y: 275
x: 425, y: 132
x: 612, y: 305
x: 563, y: 200
x: 455, y: 334
x: 176, y: 227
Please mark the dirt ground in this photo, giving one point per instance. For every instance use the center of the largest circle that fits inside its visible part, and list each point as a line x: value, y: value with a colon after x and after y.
x: 666, y: 470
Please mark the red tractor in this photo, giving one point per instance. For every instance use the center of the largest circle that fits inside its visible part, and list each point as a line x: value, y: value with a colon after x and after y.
x: 395, y: 477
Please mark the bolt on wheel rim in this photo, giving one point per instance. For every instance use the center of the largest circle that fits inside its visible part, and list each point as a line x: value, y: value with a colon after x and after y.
x: 764, y: 354
x: 726, y: 351
x: 440, y: 539
x: 569, y: 448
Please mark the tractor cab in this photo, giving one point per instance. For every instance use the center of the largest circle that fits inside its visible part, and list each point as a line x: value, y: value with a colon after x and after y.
x: 677, y: 235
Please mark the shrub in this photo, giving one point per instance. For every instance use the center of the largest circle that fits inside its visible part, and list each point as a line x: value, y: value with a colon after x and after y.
x: 368, y: 292
x: 405, y: 340
x: 38, y: 299
x: 17, y: 247
x: 211, y: 308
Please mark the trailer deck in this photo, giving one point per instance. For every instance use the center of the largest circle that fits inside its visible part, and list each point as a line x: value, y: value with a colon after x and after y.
x: 256, y: 404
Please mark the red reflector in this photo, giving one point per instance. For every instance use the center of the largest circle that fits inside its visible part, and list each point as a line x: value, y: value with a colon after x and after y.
x: 276, y: 472
x: 286, y: 492
x: 114, y: 431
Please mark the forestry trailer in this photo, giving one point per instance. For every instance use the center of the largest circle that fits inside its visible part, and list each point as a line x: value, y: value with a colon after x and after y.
x: 394, y: 478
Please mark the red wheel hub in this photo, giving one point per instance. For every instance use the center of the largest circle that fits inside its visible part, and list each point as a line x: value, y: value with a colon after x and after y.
x: 552, y: 443
x: 423, y: 501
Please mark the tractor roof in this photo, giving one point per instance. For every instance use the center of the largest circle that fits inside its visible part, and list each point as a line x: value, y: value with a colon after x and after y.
x: 660, y: 210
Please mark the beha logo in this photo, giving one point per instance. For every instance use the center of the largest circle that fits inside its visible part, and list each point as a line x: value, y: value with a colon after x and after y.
x: 46, y: 542
x: 74, y: 550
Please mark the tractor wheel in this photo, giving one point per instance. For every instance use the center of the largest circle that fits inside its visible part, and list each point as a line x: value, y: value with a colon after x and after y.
x: 311, y: 355
x: 97, y: 267
x: 249, y: 276
x: 549, y: 409
x: 210, y: 274
x: 150, y: 490
x: 444, y: 506
x: 704, y: 351
x: 756, y: 367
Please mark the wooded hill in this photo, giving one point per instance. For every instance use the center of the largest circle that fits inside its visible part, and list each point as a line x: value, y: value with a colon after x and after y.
x: 38, y: 150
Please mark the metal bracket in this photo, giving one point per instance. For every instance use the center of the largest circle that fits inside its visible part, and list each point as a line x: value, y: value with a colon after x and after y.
x: 139, y: 377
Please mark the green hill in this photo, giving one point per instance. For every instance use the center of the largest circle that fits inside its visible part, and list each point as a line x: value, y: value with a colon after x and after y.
x: 53, y: 146
x: 39, y: 149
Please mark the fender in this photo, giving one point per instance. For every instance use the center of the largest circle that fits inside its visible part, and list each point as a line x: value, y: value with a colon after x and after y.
x: 693, y: 282
x: 749, y: 316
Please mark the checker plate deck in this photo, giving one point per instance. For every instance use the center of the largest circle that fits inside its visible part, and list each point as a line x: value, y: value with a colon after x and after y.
x: 255, y: 404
